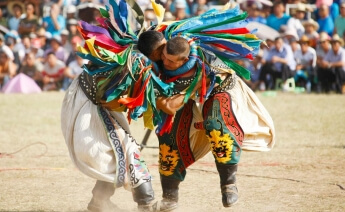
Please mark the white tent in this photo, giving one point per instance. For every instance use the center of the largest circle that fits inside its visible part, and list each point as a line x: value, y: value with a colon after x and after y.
x: 21, y: 84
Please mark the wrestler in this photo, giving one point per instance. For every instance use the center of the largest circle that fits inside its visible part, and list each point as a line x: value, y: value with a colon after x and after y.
x: 232, y: 119
x: 101, y: 146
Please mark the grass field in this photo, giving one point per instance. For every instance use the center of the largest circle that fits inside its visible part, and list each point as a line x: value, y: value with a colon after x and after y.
x: 304, y: 172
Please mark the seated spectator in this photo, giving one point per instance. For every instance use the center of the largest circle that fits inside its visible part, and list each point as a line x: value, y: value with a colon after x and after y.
x: 36, y: 50
x: 65, y: 42
x: 11, y: 43
x: 76, y: 40
x: 332, y: 7
x: 72, y: 71
x: 334, y: 62
x: 30, y: 23
x: 53, y: 71
x: 57, y: 49
x: 42, y: 35
x: 16, y: 9
x: 32, y: 68
x: 168, y: 16
x: 5, y: 48
x: 289, y: 34
x: 305, y: 75
x: 72, y: 28
x: 3, y: 19
x: 294, y: 45
x: 325, y: 21
x: 54, y: 23
x: 197, y: 5
x: 180, y: 9
x: 311, y: 28
x: 280, y: 63
x: 278, y: 18
x: 255, y: 70
x: 295, y: 22
x: 325, y: 79
x: 8, y: 69
x: 254, y: 12
x: 339, y: 23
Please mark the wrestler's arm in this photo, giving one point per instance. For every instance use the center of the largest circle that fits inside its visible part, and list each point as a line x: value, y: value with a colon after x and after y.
x: 170, y: 105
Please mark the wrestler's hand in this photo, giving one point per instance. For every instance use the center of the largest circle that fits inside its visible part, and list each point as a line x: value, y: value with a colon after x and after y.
x: 170, y: 105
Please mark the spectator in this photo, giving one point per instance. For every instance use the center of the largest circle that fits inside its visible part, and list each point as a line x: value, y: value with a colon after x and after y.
x: 295, y: 22
x: 306, y: 65
x: 57, y: 49
x: 334, y: 62
x: 254, y: 13
x: 325, y: 79
x: 280, y: 63
x: 72, y: 28
x: 339, y: 23
x: 15, y: 8
x: 65, y: 42
x: 71, y: 12
x: 3, y: 19
x: 289, y: 34
x: 42, y: 35
x: 30, y: 23
x: 311, y: 28
x: 53, y: 70
x: 73, y: 54
x: 32, y: 68
x: 332, y: 7
x: 325, y: 21
x: 168, y: 16
x: 36, y: 49
x: 294, y: 45
x: 5, y: 48
x: 54, y: 23
x: 201, y: 10
x: 255, y: 70
x: 11, y: 43
x: 8, y: 69
x: 180, y: 9
x: 72, y: 71
x: 197, y: 5
x: 278, y: 18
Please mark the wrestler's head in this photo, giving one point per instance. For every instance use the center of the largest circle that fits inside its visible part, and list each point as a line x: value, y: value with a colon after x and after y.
x: 175, y: 53
x: 151, y: 44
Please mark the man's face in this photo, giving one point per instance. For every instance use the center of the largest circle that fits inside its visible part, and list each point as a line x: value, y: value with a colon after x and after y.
x: 278, y: 43
x: 156, y: 54
x: 335, y: 45
x: 172, y: 62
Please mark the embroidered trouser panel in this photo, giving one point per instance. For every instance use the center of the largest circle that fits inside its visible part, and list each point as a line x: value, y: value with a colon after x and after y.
x: 130, y: 167
x: 220, y: 129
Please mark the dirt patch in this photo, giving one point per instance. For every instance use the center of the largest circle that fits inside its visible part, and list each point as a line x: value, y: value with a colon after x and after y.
x: 304, y: 171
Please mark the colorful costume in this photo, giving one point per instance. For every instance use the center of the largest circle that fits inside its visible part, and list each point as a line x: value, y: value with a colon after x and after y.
x: 226, y: 117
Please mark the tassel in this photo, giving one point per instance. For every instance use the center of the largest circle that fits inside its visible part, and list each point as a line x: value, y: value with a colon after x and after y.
x: 167, y: 126
x: 137, y: 101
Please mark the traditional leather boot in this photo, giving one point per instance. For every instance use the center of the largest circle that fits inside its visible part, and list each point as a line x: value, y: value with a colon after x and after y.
x: 100, y: 201
x: 227, y: 173
x: 170, y: 195
x: 143, y: 195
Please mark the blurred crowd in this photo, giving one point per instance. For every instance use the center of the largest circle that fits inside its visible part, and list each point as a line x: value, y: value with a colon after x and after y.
x: 304, y: 40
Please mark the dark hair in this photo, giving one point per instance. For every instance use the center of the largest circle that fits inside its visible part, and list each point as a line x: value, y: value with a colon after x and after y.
x: 148, y: 41
x: 278, y: 38
x: 178, y: 46
x: 50, y: 53
x: 278, y: 3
